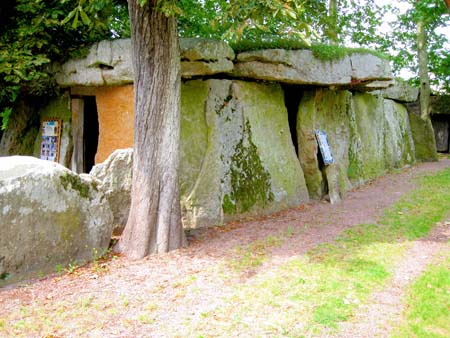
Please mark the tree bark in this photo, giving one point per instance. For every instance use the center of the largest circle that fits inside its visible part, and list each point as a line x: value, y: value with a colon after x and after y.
x: 154, y: 222
x: 422, y: 54
x: 332, y: 16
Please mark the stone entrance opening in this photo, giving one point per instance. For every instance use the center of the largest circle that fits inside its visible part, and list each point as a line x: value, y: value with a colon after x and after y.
x: 441, y: 126
x: 292, y: 97
x: 91, y: 132
x: 85, y: 133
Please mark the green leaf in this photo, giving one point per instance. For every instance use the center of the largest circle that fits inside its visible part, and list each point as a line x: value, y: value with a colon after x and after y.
x: 84, y: 18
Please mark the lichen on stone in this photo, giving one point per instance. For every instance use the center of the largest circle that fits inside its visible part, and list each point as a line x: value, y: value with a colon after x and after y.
x: 74, y: 182
x: 250, y: 181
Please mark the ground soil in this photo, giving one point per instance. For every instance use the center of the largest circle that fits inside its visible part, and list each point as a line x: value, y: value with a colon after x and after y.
x: 313, y: 223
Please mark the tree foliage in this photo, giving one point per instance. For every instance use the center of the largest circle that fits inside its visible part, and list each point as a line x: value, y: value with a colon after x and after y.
x: 401, y: 42
x: 35, y: 33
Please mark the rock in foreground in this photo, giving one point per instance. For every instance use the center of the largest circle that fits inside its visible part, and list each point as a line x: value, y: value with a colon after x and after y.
x: 50, y: 217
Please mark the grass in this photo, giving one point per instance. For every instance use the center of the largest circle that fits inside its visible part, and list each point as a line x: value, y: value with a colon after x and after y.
x: 427, y: 312
x: 322, y: 51
x: 327, y: 285
x: 306, y: 295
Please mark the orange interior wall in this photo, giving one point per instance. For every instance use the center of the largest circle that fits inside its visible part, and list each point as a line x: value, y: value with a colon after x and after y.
x: 115, y: 108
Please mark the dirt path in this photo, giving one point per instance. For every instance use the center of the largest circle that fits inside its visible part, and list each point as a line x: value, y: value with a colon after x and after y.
x: 160, y: 284
x: 385, y: 307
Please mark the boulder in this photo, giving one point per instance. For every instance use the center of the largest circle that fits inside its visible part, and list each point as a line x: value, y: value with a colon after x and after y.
x: 302, y: 67
x: 237, y: 155
x: 116, y: 175
x: 50, y: 217
x: 109, y: 63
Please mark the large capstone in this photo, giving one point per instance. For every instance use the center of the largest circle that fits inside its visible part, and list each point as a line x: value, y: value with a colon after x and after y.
x: 50, y: 217
x: 302, y: 67
x: 109, y: 63
x: 116, y: 175
x: 237, y: 155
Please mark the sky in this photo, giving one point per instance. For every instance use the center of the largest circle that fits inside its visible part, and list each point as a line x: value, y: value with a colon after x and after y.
x: 390, y: 17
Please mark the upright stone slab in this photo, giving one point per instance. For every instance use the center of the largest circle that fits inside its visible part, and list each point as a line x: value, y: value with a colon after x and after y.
x: 424, y: 139
x: 366, y: 153
x: 398, y: 141
x: 325, y: 110
x: 237, y: 156
x: 50, y: 216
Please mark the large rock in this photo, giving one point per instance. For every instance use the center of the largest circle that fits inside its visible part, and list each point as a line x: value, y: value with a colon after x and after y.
x: 367, y: 134
x: 423, y: 135
x: 398, y: 141
x: 237, y: 155
x: 116, y: 174
x: 328, y: 111
x: 50, y: 216
x: 302, y: 67
x: 109, y: 63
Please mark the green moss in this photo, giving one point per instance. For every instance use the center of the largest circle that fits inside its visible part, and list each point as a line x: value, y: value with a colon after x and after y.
x: 74, y: 182
x: 320, y: 51
x: 228, y: 206
x: 423, y: 136
x: 194, y: 137
x: 250, y: 182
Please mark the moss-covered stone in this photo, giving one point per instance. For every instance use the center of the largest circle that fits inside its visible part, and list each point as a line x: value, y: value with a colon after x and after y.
x: 325, y: 110
x: 250, y: 181
x: 71, y: 181
x: 398, y: 141
x: 263, y: 106
x: 423, y: 136
x: 247, y: 165
x: 194, y: 132
x: 368, y: 159
x: 59, y: 108
x: 22, y: 130
x: 50, y: 217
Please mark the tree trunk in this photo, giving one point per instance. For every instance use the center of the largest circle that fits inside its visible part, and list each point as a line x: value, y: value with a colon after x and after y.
x: 333, y: 21
x: 154, y: 222
x: 425, y: 90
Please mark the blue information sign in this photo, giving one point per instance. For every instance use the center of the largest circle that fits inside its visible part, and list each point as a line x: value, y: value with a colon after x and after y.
x: 324, y: 147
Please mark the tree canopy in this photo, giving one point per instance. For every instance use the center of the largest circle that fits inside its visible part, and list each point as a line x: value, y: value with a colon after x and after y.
x: 35, y: 33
